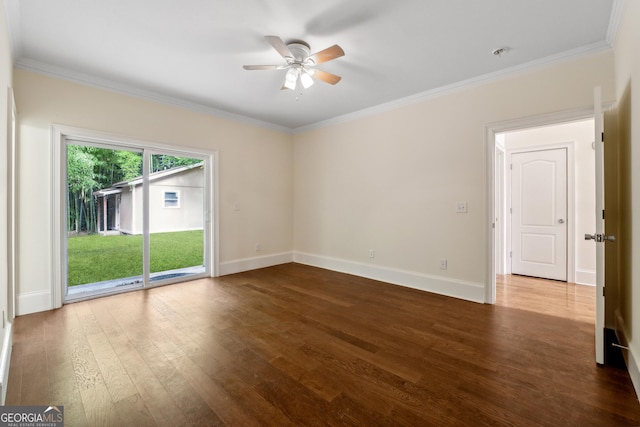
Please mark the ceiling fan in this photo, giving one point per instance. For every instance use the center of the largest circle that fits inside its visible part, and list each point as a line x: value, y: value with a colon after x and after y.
x: 300, y: 63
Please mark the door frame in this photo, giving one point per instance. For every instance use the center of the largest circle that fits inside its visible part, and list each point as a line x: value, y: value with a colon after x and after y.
x: 491, y: 130
x: 59, y: 135
x: 569, y: 146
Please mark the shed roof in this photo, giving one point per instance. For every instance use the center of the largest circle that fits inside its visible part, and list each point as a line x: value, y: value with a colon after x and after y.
x: 118, y: 186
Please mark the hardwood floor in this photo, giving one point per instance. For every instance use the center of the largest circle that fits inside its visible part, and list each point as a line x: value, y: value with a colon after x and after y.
x: 296, y: 345
x: 550, y: 297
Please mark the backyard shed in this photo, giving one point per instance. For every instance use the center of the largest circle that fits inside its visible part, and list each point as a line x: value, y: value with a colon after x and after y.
x: 176, y: 202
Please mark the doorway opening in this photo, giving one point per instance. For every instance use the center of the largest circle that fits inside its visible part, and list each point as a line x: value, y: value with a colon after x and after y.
x: 547, y: 199
x: 568, y: 134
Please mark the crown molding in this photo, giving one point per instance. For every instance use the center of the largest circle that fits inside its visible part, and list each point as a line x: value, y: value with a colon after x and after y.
x: 89, y: 80
x: 130, y: 90
x: 615, y: 19
x: 460, y: 86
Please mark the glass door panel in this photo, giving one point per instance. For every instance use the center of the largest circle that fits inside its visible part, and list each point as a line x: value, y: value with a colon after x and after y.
x: 177, y: 206
x: 104, y: 219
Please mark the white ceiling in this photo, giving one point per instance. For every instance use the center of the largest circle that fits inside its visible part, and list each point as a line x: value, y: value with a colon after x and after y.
x: 191, y: 52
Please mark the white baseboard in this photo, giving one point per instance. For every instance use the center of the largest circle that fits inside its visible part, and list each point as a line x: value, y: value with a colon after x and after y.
x: 439, y: 285
x: 631, y: 357
x: 5, y: 360
x: 33, y: 302
x: 586, y: 277
x: 246, y: 264
x: 634, y: 372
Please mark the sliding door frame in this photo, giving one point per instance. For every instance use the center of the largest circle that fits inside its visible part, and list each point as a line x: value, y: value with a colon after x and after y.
x: 60, y: 134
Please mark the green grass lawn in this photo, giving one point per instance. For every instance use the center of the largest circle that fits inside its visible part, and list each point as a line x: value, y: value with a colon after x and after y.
x: 96, y: 258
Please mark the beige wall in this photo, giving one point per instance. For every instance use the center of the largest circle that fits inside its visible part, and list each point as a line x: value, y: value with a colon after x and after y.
x: 255, y: 167
x: 627, y: 75
x: 390, y: 182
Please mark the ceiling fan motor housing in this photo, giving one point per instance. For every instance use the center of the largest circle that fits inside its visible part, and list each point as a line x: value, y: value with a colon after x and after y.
x: 300, y: 52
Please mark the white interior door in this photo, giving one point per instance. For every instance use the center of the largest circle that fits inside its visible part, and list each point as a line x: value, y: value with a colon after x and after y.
x: 539, y: 213
x: 599, y: 237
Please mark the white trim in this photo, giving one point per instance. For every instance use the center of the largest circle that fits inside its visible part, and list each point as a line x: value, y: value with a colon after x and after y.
x: 12, y: 205
x: 539, y: 120
x: 436, y: 284
x: 86, y: 79
x: 490, y: 231
x: 634, y: 371
x: 490, y: 146
x: 500, y: 218
x: 212, y: 252
x: 136, y: 92
x: 585, y: 277
x: 630, y: 357
x: 146, y: 238
x: 615, y: 19
x: 246, y: 264
x: 33, y: 302
x: 460, y: 86
x: 58, y: 222
x: 5, y: 361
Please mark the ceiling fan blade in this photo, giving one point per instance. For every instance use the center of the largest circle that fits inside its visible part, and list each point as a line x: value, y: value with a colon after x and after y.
x: 264, y: 67
x: 326, y: 77
x: 327, y: 54
x: 279, y: 45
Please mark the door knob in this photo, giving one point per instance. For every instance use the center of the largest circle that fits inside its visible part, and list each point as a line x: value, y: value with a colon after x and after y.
x: 599, y: 237
x: 561, y: 221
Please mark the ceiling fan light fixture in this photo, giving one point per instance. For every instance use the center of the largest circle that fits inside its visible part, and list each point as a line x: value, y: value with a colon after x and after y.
x: 305, y: 79
x: 291, y: 78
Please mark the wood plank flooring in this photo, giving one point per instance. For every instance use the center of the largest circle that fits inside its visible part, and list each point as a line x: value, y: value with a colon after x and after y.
x: 294, y: 345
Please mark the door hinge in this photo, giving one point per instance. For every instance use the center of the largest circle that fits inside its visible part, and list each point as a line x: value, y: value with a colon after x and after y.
x: 511, y: 166
x: 602, y: 136
x: 511, y: 254
x: 602, y: 213
x: 603, y: 288
x: 510, y: 210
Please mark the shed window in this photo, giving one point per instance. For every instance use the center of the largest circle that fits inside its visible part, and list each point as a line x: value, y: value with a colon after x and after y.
x: 171, y: 199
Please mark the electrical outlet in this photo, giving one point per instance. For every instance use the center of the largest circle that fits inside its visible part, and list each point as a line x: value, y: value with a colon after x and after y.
x: 443, y: 264
x: 461, y: 207
x: 372, y: 253
x: 258, y: 247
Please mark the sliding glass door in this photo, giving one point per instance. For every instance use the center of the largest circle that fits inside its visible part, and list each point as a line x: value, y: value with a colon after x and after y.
x: 135, y: 217
x: 176, y: 216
